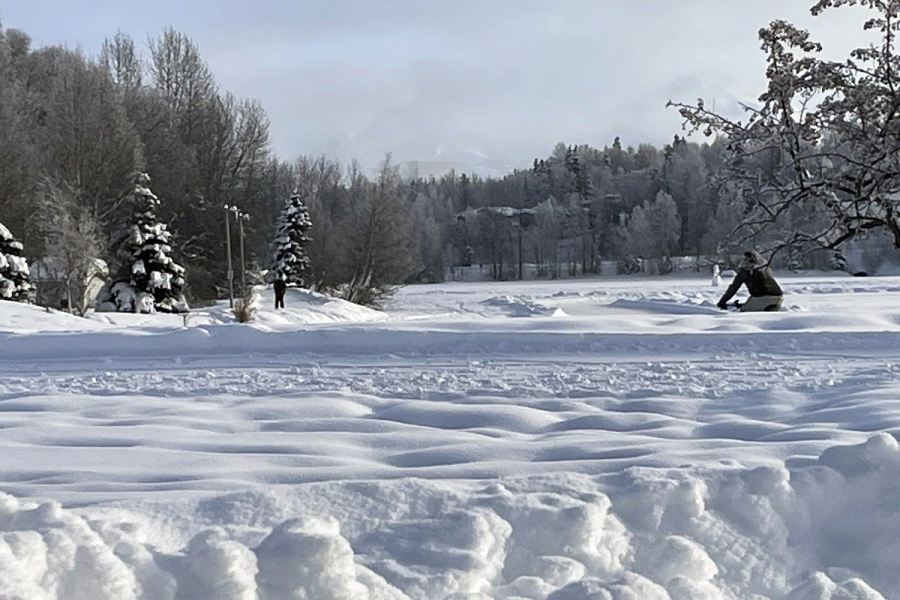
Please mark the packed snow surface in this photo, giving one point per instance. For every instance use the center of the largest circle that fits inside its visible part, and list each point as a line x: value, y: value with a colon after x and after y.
x: 601, y: 439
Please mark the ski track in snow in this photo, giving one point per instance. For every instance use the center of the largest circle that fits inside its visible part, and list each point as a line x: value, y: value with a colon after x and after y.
x: 668, y: 452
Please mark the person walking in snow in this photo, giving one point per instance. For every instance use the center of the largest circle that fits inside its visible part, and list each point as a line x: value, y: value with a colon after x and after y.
x: 280, y: 287
x: 765, y: 293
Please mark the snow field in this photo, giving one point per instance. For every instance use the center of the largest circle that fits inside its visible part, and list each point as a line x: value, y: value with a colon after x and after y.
x: 609, y: 439
x: 733, y: 533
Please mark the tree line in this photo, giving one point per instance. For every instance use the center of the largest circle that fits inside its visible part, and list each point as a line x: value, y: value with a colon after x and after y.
x: 811, y: 168
x: 76, y: 132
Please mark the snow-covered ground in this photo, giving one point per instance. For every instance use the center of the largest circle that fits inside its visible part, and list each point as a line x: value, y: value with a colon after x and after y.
x: 602, y: 439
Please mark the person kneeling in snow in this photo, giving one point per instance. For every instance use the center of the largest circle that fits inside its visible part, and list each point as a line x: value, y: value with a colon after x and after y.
x: 765, y: 293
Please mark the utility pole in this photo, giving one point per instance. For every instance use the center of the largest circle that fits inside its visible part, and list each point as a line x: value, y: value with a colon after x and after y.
x: 520, y: 246
x: 228, y: 252
x: 240, y: 216
x: 243, y: 217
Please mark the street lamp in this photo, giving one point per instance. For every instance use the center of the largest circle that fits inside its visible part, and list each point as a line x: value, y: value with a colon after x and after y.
x: 517, y: 225
x: 228, y: 252
x: 587, y: 206
x: 241, y: 216
x: 466, y: 255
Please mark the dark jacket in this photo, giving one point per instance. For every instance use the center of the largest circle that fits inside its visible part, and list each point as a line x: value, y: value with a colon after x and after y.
x: 756, y: 276
x: 280, y: 286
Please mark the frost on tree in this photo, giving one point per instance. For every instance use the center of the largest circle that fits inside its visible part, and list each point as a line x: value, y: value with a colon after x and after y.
x: 147, y: 279
x: 15, y: 280
x: 815, y: 163
x: 290, y: 260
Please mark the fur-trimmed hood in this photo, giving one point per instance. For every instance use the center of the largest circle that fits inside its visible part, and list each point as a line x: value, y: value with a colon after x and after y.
x: 752, y: 260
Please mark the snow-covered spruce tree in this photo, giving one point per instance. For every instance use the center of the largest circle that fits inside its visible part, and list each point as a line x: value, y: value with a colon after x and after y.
x: 15, y: 281
x: 146, y: 278
x: 289, y: 256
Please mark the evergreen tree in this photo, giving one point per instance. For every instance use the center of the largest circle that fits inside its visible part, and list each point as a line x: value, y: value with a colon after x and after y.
x: 579, y: 172
x: 147, y: 279
x: 290, y: 260
x: 15, y: 282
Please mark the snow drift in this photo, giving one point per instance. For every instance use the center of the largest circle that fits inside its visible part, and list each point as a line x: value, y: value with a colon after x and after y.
x: 606, y: 439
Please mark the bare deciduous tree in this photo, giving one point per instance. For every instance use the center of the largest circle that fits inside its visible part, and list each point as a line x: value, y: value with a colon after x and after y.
x: 18, y: 160
x: 182, y: 76
x: 822, y: 141
x: 379, y: 248
x: 123, y: 62
x: 73, y: 242
x: 320, y: 182
x: 87, y: 138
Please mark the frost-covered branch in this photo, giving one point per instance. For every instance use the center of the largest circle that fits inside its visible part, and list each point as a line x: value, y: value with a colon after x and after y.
x: 823, y: 142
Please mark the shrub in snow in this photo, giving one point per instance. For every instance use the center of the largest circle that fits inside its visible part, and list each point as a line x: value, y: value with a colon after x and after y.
x: 362, y: 292
x: 666, y: 266
x: 15, y: 282
x: 289, y: 258
x: 146, y: 278
x: 630, y: 265
x: 246, y: 307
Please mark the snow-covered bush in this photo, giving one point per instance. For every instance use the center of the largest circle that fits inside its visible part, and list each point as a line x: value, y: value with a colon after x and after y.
x: 630, y: 265
x: 246, y: 307
x: 15, y: 280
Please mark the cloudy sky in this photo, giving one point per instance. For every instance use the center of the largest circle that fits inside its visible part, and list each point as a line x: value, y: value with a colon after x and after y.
x: 429, y: 79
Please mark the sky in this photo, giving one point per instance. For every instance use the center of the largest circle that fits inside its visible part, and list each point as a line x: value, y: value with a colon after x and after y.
x: 457, y: 79
x: 585, y: 439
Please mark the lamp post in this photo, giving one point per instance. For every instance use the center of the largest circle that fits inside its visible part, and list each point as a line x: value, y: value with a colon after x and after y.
x: 518, y: 225
x: 228, y: 252
x: 587, y: 206
x: 524, y: 217
x: 241, y: 216
x: 466, y: 254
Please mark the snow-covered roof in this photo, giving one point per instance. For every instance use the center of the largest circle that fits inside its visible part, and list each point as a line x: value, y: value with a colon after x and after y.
x: 504, y: 211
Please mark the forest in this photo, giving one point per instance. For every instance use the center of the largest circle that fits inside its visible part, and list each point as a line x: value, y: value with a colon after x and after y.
x: 76, y: 131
